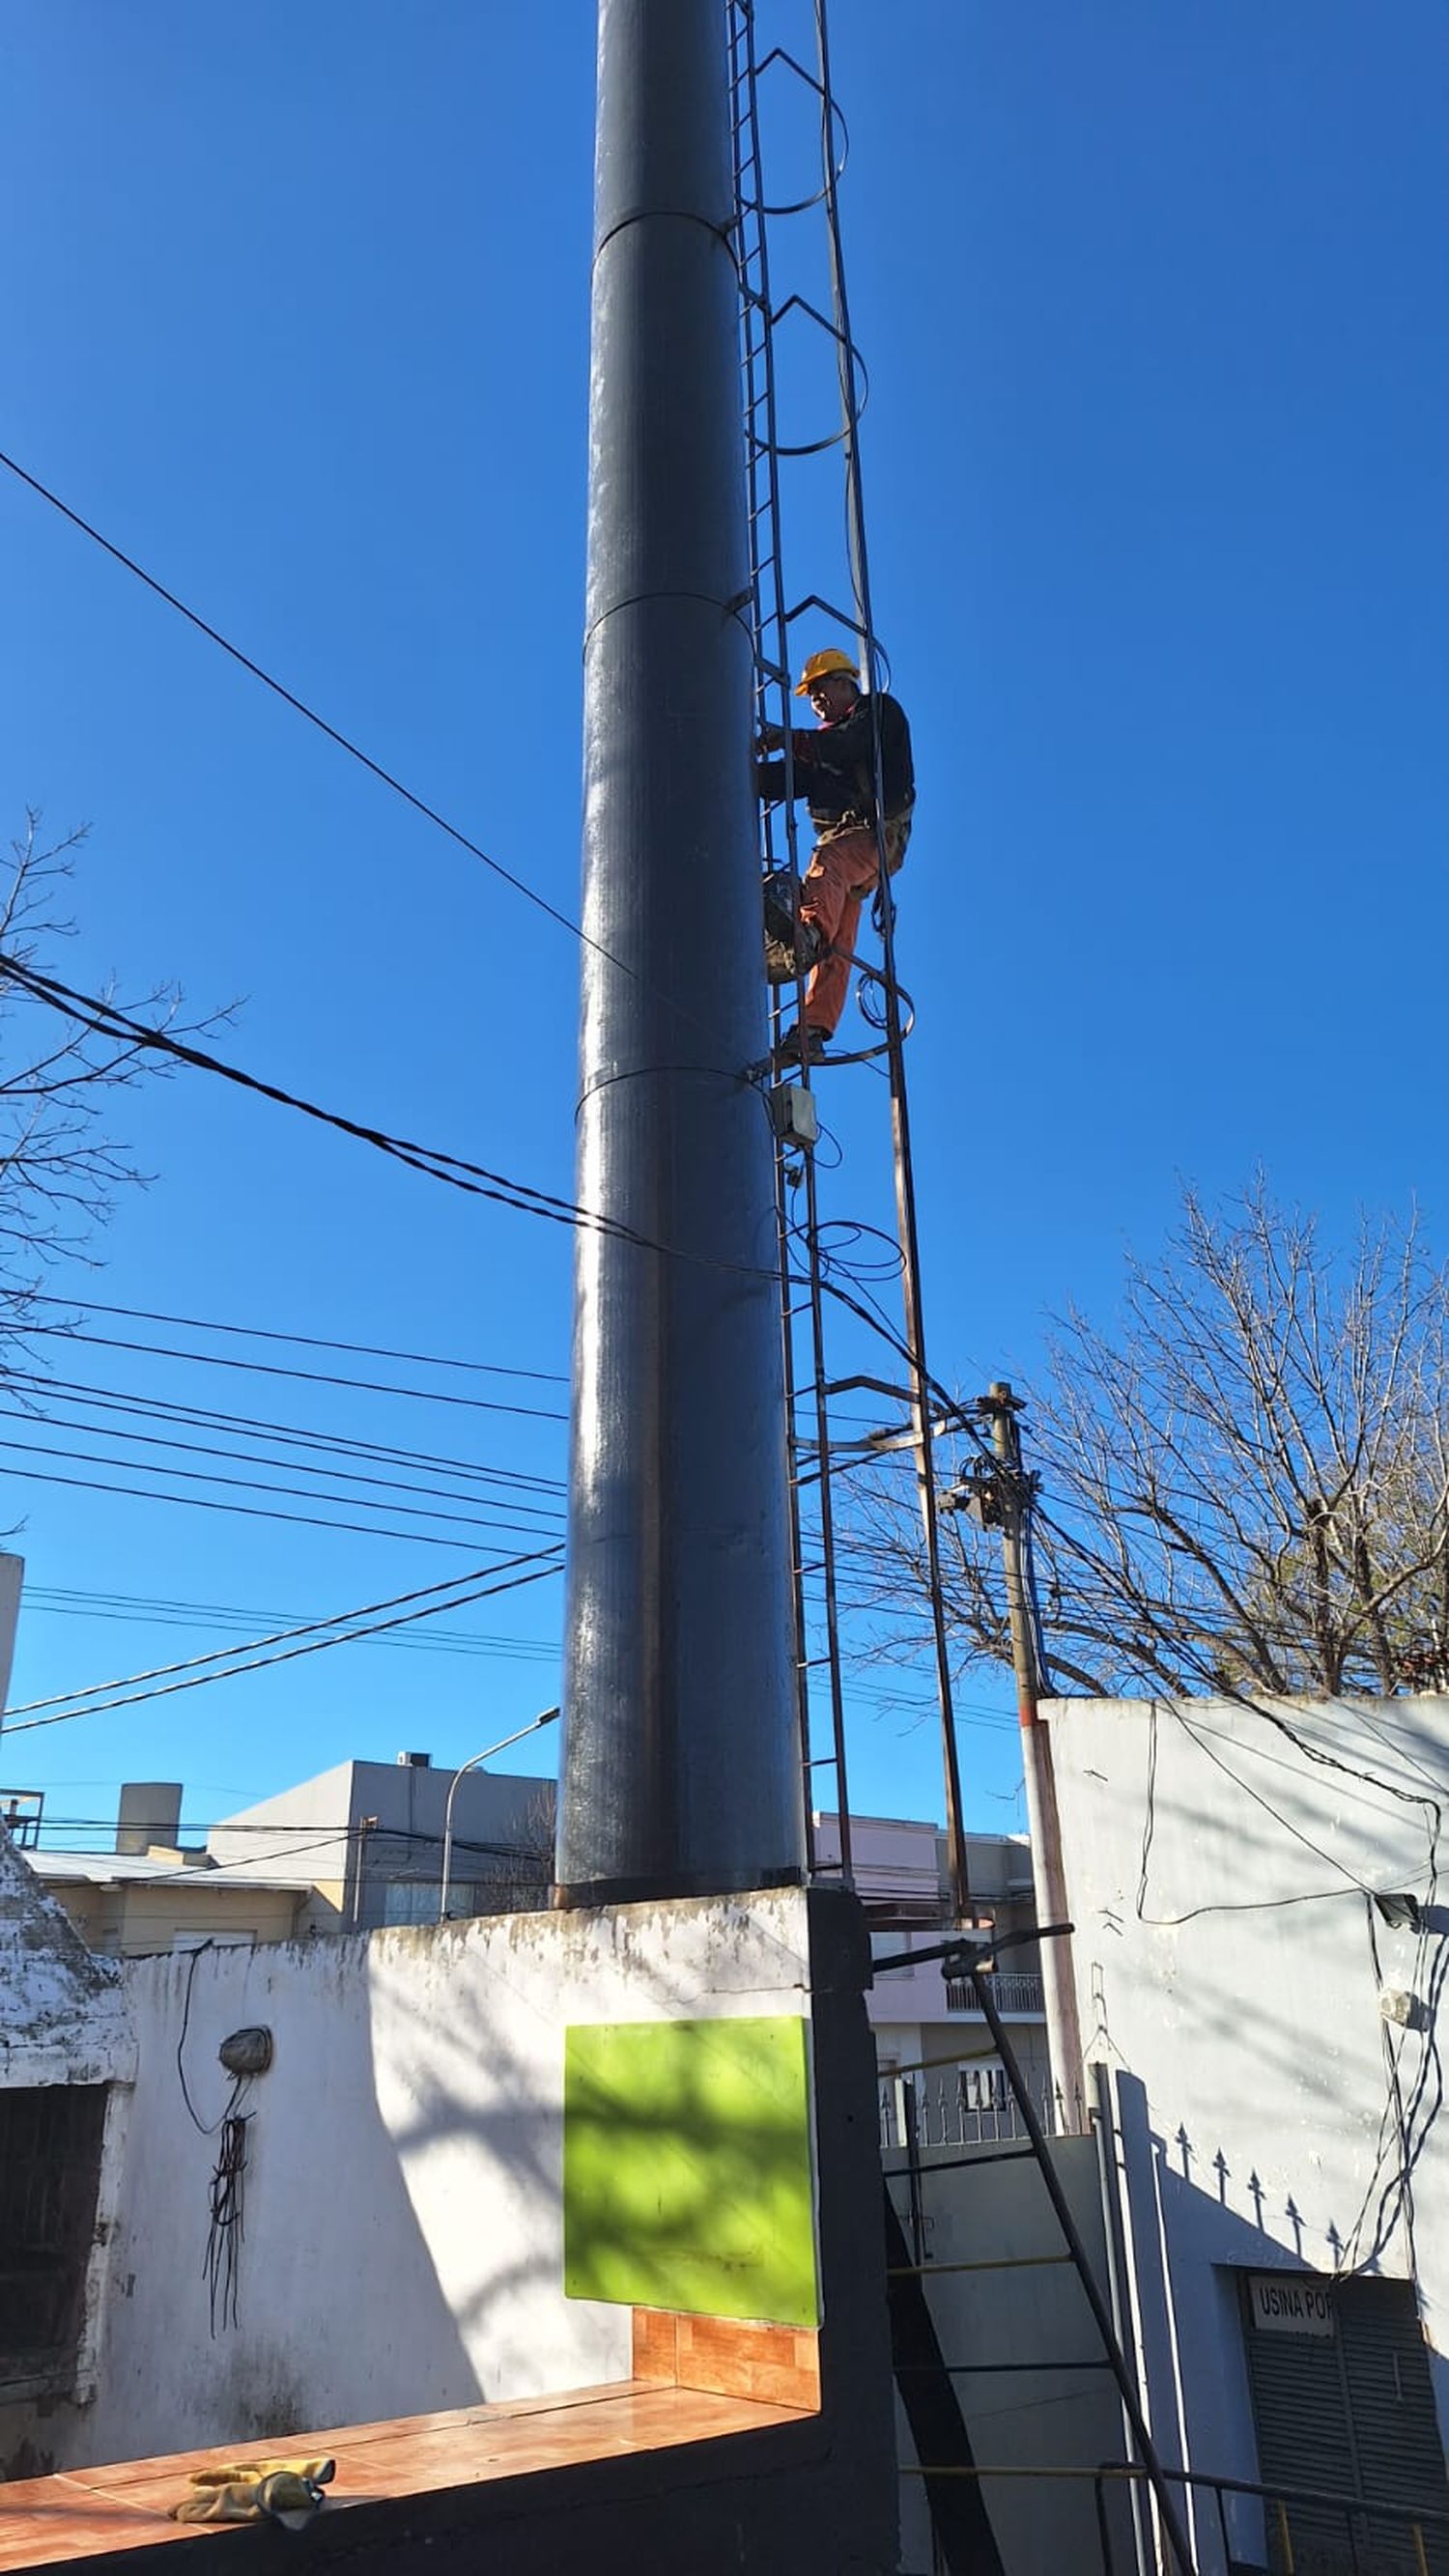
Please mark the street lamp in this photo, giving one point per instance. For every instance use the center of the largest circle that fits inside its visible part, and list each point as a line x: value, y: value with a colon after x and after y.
x: 471, y: 1764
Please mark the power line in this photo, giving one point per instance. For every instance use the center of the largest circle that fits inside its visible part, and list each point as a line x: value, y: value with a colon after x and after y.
x: 221, y: 1654
x: 385, y: 777
x: 248, y: 1484
x: 290, y: 1654
x: 302, y: 1341
x: 310, y: 1377
x: 474, y: 1178
x: 209, y: 1418
x: 483, y: 1508
x: 88, y: 1010
x: 135, y: 1610
x: 300, y: 707
x: 246, y: 1511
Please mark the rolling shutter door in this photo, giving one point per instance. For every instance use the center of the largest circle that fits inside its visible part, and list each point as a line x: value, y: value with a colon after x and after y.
x: 1351, y: 2414
x: 1300, y: 2408
x: 1391, y: 2400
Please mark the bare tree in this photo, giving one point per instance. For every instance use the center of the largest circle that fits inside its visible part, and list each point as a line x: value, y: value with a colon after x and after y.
x: 60, y: 1164
x: 1245, y: 1486
x: 519, y: 1880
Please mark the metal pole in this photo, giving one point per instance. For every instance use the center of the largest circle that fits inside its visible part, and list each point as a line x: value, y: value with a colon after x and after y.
x: 680, y: 1770
x: 1115, y: 2242
x: 921, y: 1398
x: 1059, y: 1992
x: 1172, y: 2522
x: 534, y: 1723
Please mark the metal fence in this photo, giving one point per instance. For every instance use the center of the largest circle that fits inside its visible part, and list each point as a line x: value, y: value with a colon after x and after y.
x: 956, y: 2106
x: 1244, y: 2529
x: 1016, y: 1990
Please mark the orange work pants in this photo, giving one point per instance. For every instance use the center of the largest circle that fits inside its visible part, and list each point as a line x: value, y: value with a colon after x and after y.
x: 844, y: 868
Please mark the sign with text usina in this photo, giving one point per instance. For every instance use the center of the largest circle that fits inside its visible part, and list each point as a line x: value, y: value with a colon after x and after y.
x: 1290, y: 2303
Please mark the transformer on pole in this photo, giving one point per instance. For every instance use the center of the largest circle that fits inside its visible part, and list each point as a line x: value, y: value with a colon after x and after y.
x: 680, y: 1767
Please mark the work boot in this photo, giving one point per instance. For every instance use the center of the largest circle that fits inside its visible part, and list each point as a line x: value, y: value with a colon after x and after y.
x: 801, y: 1045
x: 792, y: 944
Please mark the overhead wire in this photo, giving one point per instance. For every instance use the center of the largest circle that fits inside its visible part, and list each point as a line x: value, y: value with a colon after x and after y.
x: 90, y: 1010
x: 136, y: 1610
x: 343, y: 742
x: 299, y: 706
x: 244, y: 1425
x: 245, y: 1511
x: 301, y: 1341
x: 476, y: 1179
x: 476, y: 1519
x: 309, y: 1377
x: 484, y: 1508
x: 223, y: 1654
x: 290, y: 1654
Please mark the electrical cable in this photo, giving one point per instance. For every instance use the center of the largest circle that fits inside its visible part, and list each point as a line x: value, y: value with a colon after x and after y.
x: 485, y: 1504
x: 301, y: 1341
x: 161, y: 1408
x: 89, y: 1010
x: 221, y: 1654
x: 245, y: 1511
x: 247, y: 1484
x: 474, y: 1178
x: 196, y: 2120
x: 134, y: 1610
x: 309, y: 1377
x: 301, y: 708
x: 291, y: 1654
x: 484, y: 1509
x: 343, y: 742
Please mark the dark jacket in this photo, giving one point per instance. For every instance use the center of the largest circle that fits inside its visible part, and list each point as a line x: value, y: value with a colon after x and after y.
x: 835, y: 765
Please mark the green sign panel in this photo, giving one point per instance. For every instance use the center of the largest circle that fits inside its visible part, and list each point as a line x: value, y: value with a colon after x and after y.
x: 687, y: 2168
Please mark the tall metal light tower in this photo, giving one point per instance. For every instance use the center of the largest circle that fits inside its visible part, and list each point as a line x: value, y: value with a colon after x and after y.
x: 680, y: 1769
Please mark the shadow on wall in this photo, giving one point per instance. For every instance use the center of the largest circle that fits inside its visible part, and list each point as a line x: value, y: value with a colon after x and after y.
x: 402, y: 2247
x: 472, y: 2094
x: 342, y: 2311
x: 1196, y: 2227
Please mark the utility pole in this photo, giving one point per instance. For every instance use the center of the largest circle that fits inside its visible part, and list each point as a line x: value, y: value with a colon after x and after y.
x: 681, y: 1770
x: 1064, y: 2038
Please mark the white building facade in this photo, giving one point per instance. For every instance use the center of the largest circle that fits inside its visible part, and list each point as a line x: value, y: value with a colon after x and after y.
x: 1260, y: 1954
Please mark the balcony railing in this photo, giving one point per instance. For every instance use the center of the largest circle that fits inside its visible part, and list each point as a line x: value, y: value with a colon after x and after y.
x: 958, y: 2106
x: 1016, y: 1991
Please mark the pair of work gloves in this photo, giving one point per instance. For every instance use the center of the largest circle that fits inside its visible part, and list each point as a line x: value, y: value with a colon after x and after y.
x: 285, y: 2491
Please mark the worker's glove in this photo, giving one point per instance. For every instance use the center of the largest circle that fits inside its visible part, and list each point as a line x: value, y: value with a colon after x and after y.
x: 772, y: 737
x: 260, y: 2490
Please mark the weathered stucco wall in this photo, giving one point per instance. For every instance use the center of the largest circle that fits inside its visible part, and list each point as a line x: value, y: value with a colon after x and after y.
x: 63, y: 2020
x: 63, y: 2012
x: 403, y: 2246
x: 1230, y: 1968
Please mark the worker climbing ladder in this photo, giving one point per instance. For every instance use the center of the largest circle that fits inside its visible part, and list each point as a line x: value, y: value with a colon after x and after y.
x: 774, y: 86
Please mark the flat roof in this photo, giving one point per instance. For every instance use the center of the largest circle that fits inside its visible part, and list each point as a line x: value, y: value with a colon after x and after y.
x: 110, y: 1869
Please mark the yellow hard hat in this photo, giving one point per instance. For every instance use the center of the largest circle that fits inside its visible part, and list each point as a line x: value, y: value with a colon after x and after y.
x: 820, y: 667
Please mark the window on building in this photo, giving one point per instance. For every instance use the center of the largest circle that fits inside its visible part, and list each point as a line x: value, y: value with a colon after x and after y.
x: 415, y: 1900
x: 50, y: 2165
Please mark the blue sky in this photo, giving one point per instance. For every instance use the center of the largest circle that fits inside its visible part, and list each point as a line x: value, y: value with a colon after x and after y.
x: 1157, y: 488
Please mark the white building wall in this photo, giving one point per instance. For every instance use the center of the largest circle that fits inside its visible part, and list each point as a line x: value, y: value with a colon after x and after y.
x: 1230, y: 1970
x: 403, y: 2248
x: 362, y: 1825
